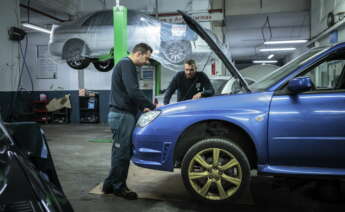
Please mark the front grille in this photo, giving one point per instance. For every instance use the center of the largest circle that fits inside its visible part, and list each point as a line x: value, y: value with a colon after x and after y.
x: 23, y: 206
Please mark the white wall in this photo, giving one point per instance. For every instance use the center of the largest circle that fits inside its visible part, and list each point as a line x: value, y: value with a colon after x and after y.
x: 9, y: 54
x: 147, y: 5
x: 67, y: 78
x: 319, y: 12
x: 245, y: 7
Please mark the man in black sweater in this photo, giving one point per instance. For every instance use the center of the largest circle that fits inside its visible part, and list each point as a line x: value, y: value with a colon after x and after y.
x: 189, y: 84
x: 126, y: 100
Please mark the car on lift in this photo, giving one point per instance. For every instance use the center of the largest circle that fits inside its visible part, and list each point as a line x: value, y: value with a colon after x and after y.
x: 28, y: 180
x: 289, y: 123
x: 91, y: 38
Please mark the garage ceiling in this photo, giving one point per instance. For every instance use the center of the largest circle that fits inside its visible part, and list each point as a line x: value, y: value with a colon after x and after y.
x: 246, y: 33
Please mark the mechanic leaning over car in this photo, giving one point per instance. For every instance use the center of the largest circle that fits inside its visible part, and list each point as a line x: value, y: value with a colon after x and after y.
x: 189, y: 84
x: 126, y: 101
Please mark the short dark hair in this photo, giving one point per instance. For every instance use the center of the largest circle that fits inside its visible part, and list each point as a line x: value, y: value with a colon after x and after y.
x: 142, y: 48
x: 190, y: 62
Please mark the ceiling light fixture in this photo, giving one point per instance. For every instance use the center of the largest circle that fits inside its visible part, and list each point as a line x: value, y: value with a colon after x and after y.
x: 265, y: 61
x: 270, y: 56
x: 277, y: 49
x: 31, y: 26
x: 284, y: 42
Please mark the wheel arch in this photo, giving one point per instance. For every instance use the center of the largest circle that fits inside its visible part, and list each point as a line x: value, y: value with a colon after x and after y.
x: 76, y: 42
x: 215, y: 128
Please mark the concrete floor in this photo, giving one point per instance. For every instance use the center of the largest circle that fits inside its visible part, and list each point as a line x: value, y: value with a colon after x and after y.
x: 81, y: 165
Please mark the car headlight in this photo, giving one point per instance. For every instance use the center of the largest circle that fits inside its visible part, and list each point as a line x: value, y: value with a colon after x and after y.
x: 147, y: 117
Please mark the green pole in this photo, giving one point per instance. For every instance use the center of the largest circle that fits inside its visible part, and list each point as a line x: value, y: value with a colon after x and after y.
x: 158, y: 79
x: 120, y: 32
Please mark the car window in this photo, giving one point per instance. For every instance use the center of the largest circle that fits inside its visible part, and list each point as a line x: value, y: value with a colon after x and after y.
x: 326, y: 76
x: 285, y: 70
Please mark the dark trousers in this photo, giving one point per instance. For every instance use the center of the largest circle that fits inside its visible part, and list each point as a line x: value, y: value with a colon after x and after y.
x: 122, y: 125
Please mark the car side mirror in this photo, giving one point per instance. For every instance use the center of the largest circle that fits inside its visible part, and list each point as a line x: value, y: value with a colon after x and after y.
x: 300, y: 84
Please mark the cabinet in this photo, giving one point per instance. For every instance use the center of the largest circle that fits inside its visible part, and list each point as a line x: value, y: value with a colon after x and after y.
x: 61, y: 116
x: 89, y: 109
x: 40, y: 112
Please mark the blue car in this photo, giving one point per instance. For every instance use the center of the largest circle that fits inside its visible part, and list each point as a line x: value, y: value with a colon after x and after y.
x: 290, y: 123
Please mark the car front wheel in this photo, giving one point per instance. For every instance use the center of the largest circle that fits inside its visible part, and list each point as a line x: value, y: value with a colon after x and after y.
x: 215, y: 170
x: 74, y: 58
x: 104, y: 66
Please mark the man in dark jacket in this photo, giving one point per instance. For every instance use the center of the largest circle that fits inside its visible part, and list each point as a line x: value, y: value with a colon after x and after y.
x: 189, y: 84
x: 126, y: 100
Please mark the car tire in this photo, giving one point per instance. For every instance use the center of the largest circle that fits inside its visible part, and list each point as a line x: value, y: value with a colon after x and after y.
x: 104, y: 66
x: 220, y: 181
x: 74, y: 56
x: 176, y: 52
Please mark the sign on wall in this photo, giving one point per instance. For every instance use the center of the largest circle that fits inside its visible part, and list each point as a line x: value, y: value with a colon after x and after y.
x: 47, y: 69
x: 199, y: 16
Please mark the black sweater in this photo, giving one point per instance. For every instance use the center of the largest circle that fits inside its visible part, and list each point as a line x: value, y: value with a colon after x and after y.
x: 125, y: 94
x: 187, y: 88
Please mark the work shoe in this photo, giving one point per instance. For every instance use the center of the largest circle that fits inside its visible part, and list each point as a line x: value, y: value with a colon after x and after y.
x: 126, y: 193
x: 107, y: 188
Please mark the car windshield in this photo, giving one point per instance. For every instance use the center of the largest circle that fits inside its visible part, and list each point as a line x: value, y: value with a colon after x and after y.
x: 285, y: 70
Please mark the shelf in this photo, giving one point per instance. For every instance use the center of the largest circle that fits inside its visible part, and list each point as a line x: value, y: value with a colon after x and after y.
x: 40, y: 102
x: 89, y: 109
x: 86, y: 109
x: 40, y: 111
x: 88, y: 96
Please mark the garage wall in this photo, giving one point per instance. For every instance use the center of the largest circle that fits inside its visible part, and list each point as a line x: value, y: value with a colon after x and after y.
x: 247, y: 7
x: 319, y: 12
x: 69, y: 80
x: 9, y: 54
x: 146, y: 5
x: 66, y: 78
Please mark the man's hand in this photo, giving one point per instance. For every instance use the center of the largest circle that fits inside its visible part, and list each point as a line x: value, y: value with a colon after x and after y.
x: 197, y: 96
x: 146, y: 109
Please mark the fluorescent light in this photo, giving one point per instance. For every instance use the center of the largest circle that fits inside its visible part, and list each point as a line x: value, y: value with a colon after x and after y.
x: 37, y: 28
x: 270, y: 56
x: 265, y: 61
x: 277, y: 49
x: 284, y: 42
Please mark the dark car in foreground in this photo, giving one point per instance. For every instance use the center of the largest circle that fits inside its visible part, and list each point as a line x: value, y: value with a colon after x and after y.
x: 292, y: 122
x: 28, y: 180
x: 90, y: 37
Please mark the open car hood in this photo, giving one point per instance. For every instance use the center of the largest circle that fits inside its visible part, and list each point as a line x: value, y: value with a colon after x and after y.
x: 213, y: 45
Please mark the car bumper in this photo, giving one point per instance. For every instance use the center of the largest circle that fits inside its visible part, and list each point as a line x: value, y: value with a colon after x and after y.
x: 153, y: 149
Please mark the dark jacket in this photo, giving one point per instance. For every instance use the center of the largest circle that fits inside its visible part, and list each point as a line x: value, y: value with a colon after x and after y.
x: 187, y: 88
x: 125, y: 94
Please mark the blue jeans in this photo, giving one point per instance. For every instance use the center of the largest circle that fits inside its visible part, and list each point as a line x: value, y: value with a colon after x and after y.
x: 122, y: 125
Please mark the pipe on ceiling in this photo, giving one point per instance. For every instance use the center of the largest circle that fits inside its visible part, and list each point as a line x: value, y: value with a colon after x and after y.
x: 42, y: 13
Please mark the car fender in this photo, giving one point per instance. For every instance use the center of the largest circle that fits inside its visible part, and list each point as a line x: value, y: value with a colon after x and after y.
x: 250, y: 113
